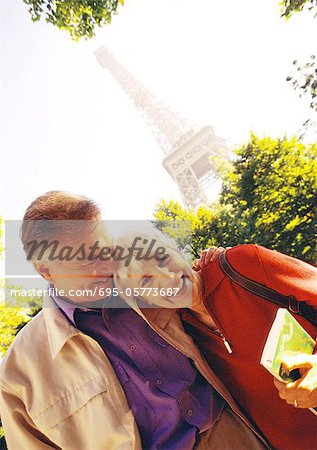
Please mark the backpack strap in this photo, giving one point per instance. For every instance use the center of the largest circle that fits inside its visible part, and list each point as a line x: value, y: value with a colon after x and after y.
x: 289, y: 301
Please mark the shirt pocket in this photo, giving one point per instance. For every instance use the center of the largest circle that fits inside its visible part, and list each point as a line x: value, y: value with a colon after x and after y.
x: 137, y: 397
x: 70, y: 403
x: 83, y: 418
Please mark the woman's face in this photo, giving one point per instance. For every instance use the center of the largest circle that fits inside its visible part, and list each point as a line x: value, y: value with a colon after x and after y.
x: 163, y: 283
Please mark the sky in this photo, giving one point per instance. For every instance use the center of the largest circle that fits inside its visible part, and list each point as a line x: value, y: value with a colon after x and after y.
x: 66, y: 123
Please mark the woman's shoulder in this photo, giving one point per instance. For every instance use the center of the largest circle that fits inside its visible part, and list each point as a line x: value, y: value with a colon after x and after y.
x: 246, y: 259
x: 276, y: 270
x: 242, y: 258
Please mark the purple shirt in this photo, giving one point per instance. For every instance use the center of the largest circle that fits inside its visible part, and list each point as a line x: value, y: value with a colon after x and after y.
x: 169, y: 398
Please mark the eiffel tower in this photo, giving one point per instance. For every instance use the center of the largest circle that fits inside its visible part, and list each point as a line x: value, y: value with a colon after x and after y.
x: 187, y: 148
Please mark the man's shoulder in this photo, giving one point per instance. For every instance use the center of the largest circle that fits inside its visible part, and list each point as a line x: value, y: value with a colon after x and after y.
x: 27, y: 341
x: 29, y: 328
x: 33, y: 329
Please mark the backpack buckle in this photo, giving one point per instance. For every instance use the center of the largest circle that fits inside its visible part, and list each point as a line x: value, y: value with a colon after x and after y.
x: 293, y: 304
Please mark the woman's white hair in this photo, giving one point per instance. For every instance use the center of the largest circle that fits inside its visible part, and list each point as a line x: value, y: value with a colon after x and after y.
x: 146, y: 232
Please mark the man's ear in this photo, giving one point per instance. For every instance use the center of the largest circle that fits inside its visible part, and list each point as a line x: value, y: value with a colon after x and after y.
x: 43, y: 270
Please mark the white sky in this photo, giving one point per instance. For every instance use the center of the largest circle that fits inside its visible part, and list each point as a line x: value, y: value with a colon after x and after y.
x: 66, y: 124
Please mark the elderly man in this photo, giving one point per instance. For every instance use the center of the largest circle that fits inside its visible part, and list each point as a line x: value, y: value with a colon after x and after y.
x: 90, y: 373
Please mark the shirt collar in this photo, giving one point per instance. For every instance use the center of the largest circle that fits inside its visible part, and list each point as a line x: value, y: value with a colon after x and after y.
x: 59, y: 329
x: 68, y: 308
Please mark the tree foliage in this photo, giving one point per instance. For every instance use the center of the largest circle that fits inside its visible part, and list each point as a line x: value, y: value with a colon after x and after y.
x: 1, y: 237
x: 305, y: 80
x: 272, y: 193
x: 199, y: 229
x: 289, y: 7
x: 13, y: 319
x: 78, y: 17
x: 268, y: 198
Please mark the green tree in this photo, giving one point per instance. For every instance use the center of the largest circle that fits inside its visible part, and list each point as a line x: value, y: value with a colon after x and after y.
x: 289, y: 7
x: 272, y: 195
x: 78, y: 17
x: 13, y: 319
x: 268, y: 198
x: 1, y: 238
x: 193, y: 230
x: 304, y: 80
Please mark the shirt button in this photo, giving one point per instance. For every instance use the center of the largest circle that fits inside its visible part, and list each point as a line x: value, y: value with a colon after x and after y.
x: 190, y: 412
x: 132, y: 348
x: 159, y: 382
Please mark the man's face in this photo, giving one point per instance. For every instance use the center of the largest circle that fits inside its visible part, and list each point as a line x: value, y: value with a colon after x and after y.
x: 84, y: 280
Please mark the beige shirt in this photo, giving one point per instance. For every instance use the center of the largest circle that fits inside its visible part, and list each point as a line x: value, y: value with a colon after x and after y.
x: 59, y: 390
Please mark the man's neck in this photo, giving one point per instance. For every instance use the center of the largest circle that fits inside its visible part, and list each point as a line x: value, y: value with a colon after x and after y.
x: 84, y: 303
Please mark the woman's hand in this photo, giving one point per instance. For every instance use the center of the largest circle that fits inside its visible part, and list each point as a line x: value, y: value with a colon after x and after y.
x: 301, y: 393
x: 207, y: 256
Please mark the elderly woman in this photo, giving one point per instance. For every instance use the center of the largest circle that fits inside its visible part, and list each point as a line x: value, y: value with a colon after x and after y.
x: 230, y: 326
